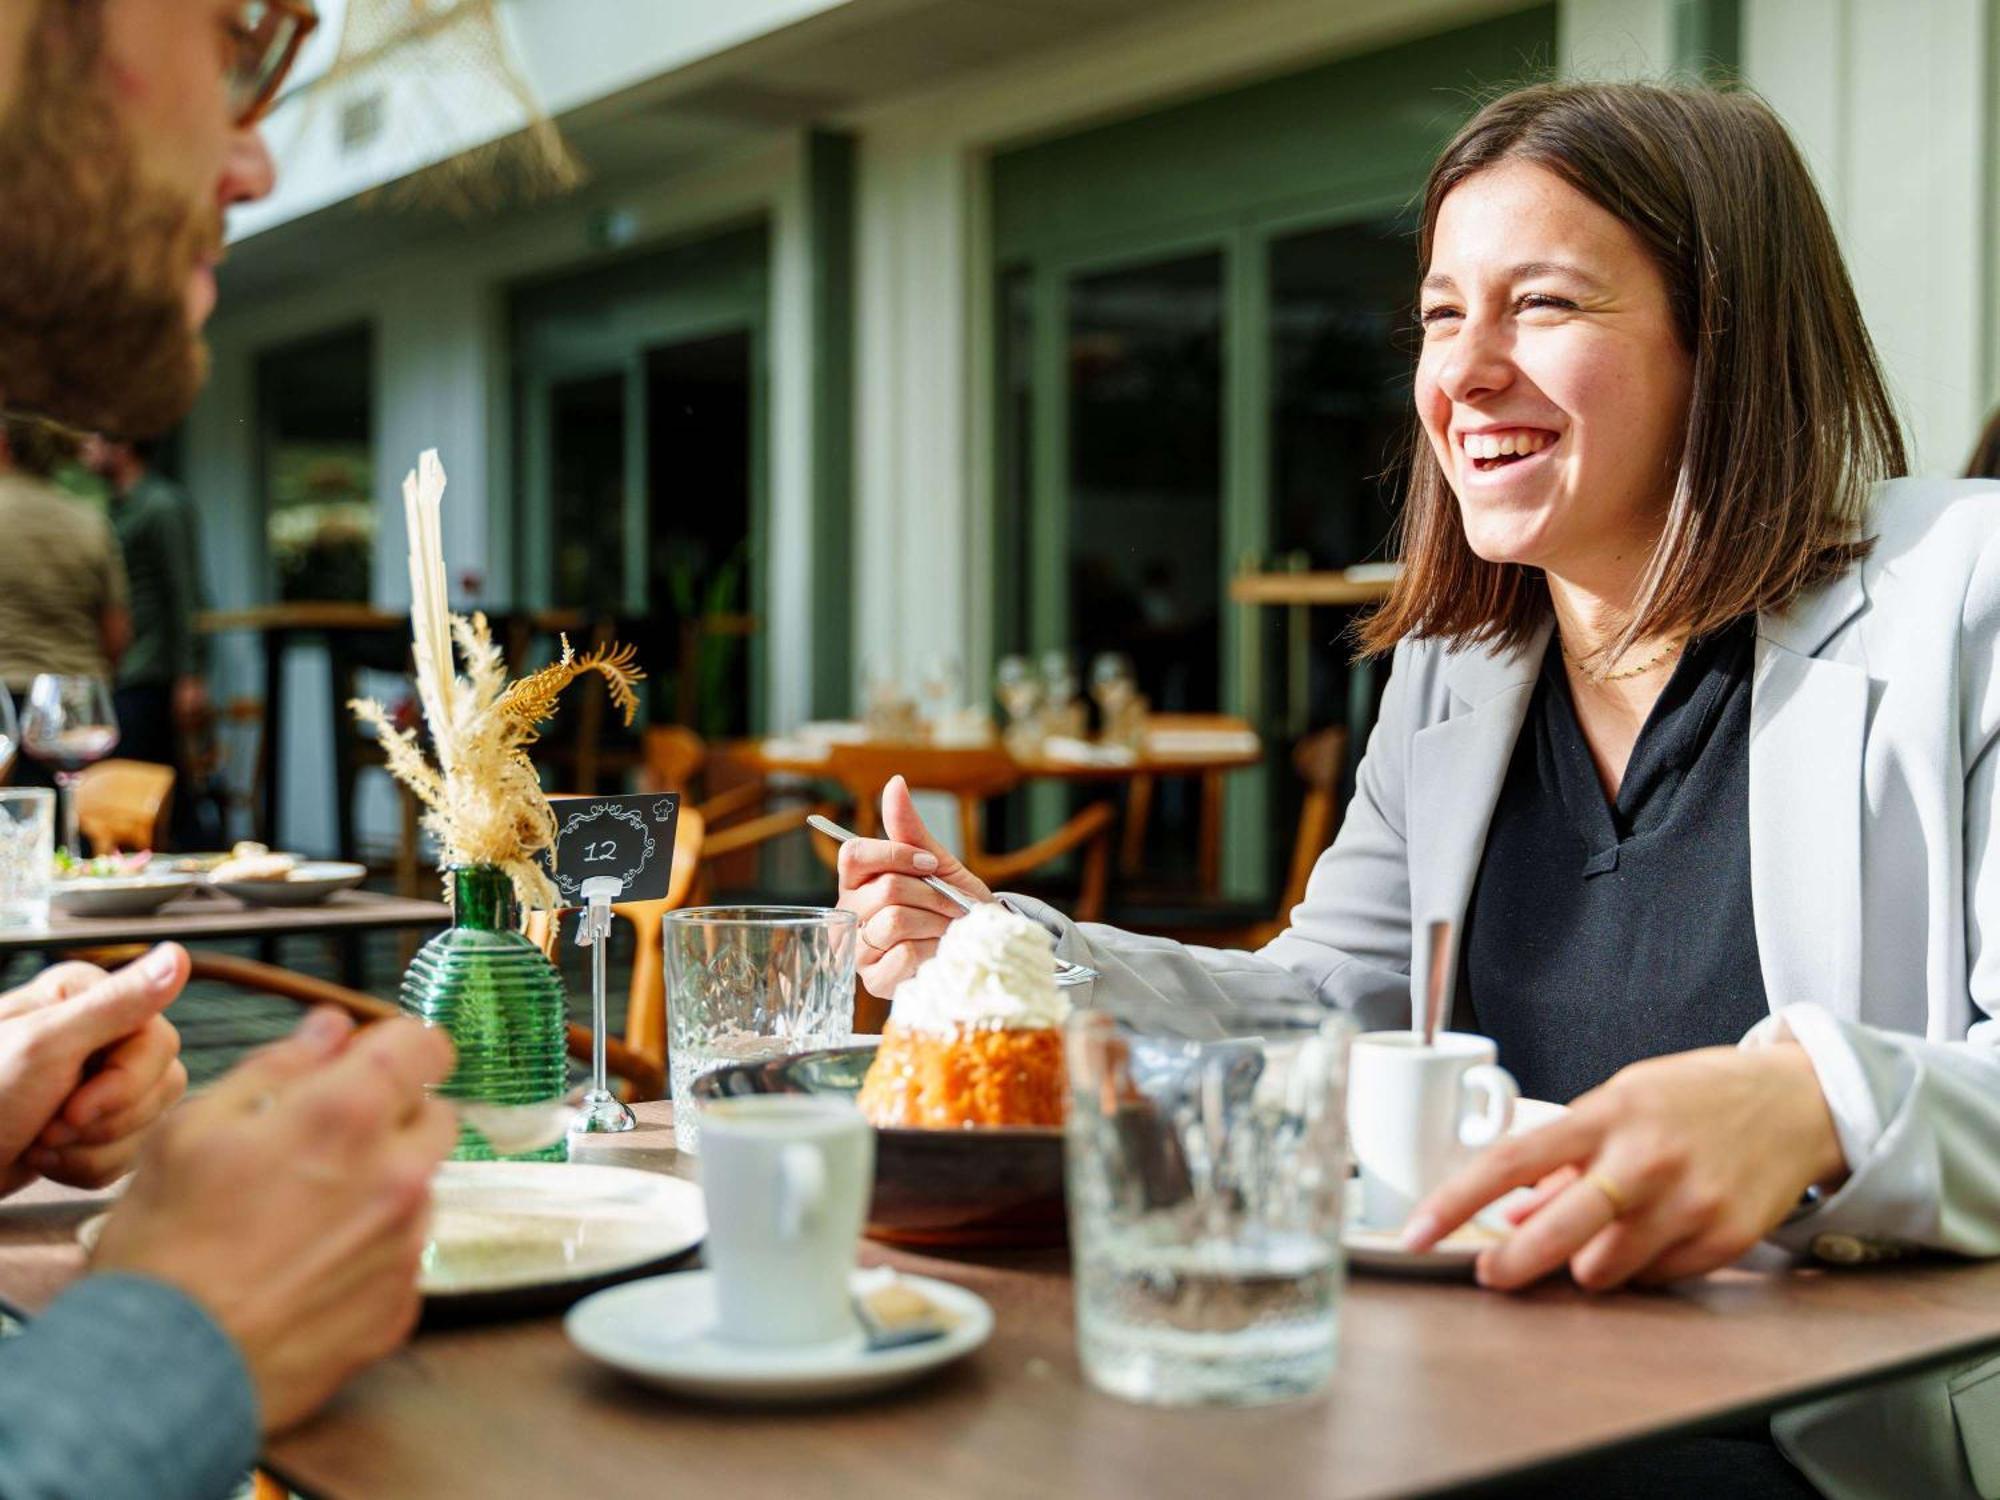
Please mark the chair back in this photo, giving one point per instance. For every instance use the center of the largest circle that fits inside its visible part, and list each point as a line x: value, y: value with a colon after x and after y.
x: 122, y: 805
x: 1318, y: 759
x: 674, y: 757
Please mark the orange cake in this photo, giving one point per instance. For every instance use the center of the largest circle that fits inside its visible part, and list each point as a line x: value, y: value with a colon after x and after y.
x: 974, y: 1036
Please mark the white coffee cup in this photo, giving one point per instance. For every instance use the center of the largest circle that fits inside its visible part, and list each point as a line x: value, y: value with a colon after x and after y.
x: 1417, y: 1114
x: 787, y: 1179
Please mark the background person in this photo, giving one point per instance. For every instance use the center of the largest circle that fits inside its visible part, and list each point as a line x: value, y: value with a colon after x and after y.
x: 268, y: 1246
x: 162, y: 694
x: 62, y: 580
x: 1690, y: 730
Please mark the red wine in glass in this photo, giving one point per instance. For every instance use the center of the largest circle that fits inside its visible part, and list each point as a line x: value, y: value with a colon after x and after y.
x: 69, y: 724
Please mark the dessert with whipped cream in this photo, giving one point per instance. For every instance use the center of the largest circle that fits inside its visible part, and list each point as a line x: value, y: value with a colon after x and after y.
x: 974, y: 1037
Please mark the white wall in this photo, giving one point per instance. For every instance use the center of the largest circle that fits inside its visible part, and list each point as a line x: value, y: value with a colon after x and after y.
x: 1893, y: 105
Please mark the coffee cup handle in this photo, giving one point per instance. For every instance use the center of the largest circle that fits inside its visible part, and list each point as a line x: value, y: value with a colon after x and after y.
x: 801, y: 1183
x: 1496, y: 1088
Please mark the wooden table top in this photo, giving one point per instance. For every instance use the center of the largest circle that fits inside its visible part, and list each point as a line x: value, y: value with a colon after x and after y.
x: 210, y: 914
x: 1336, y: 587
x: 786, y: 755
x: 1439, y: 1385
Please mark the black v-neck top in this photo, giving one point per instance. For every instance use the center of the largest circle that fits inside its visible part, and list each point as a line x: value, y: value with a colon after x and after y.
x: 1601, y: 932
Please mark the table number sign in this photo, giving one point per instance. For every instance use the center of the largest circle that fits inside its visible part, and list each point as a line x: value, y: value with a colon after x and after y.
x: 629, y: 838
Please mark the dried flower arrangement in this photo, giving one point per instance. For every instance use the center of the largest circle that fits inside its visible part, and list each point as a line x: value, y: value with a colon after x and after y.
x: 482, y: 799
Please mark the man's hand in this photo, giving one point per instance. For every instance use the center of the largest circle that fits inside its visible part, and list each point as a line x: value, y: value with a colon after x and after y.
x: 190, y: 703
x: 292, y: 1201
x: 87, y: 1064
x: 881, y: 882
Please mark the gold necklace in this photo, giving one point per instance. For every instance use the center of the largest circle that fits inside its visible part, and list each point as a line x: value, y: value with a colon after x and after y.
x: 1671, y: 649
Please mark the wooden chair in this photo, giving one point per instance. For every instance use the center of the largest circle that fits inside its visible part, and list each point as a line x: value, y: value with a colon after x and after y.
x: 739, y: 820
x: 123, y: 806
x: 1318, y: 759
x: 974, y: 776
x: 644, y: 1045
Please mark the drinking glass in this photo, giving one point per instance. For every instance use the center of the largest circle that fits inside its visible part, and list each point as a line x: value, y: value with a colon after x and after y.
x: 1061, y: 713
x: 27, y: 851
x: 1206, y: 1179
x: 70, y: 724
x: 748, y: 984
x: 939, y: 684
x: 1020, y: 693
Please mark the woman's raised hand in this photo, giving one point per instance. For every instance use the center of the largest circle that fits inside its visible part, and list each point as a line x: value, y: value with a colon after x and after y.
x: 1674, y: 1167
x: 882, y: 883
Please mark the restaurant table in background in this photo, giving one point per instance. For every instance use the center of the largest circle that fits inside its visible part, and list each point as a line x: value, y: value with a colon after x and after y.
x: 1207, y: 746
x: 212, y: 915
x: 1440, y: 1385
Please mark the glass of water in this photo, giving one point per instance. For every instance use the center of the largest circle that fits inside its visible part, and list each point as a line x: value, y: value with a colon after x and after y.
x: 1206, y: 1180
x: 27, y: 854
x: 751, y: 983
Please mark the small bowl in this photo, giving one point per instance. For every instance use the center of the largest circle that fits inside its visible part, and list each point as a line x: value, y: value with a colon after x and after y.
x: 307, y: 885
x: 979, y: 1187
x: 117, y: 895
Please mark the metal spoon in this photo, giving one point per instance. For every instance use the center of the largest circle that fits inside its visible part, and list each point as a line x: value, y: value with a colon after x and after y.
x: 1437, y: 1002
x: 1067, y: 973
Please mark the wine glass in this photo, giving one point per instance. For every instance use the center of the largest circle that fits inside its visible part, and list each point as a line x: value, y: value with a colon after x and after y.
x: 70, y: 724
x: 10, y: 732
x: 938, y: 683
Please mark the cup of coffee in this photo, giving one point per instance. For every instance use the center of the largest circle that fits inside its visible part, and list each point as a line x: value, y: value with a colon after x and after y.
x: 786, y: 1179
x: 1417, y: 1114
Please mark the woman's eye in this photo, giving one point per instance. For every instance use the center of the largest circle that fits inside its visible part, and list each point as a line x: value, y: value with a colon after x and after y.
x: 1532, y: 300
x: 1437, y: 314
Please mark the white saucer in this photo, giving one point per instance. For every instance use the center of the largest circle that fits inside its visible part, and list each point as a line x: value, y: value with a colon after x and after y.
x: 661, y: 1331
x: 1453, y: 1256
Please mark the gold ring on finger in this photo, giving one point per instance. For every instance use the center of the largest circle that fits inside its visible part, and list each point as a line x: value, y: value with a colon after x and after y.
x: 1613, y: 1194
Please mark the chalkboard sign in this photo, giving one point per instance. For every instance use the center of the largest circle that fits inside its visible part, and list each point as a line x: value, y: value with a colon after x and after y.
x: 631, y: 837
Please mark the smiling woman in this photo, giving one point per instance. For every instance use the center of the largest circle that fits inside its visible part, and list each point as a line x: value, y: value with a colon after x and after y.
x: 1689, y: 735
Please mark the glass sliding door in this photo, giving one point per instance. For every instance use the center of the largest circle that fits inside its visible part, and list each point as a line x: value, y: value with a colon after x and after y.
x: 1144, y: 474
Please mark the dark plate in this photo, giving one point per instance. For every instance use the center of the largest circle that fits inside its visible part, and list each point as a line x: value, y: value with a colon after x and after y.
x: 933, y: 1188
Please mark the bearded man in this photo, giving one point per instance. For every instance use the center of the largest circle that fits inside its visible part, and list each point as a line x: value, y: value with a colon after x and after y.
x: 268, y: 1246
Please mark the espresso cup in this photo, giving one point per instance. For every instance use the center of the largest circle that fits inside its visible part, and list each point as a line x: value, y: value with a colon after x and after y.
x: 786, y: 1179
x: 1417, y: 1114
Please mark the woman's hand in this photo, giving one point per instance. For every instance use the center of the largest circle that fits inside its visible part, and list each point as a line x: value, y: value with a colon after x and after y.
x: 1675, y: 1167
x: 882, y: 883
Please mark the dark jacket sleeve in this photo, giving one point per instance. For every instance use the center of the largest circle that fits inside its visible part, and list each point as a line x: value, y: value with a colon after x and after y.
x: 124, y: 1390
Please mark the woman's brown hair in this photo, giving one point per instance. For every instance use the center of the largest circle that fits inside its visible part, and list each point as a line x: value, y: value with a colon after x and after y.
x: 1789, y: 421
x: 1985, y: 460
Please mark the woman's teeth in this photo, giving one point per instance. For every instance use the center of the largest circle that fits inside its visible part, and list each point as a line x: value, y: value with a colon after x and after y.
x: 1488, y: 449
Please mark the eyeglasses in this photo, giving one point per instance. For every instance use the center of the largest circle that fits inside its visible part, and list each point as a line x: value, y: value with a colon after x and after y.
x: 267, y: 35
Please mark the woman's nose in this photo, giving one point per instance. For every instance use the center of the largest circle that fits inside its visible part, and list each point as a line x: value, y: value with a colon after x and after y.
x: 1477, y: 362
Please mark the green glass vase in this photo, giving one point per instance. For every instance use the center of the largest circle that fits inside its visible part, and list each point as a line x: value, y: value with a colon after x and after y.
x: 502, y: 1002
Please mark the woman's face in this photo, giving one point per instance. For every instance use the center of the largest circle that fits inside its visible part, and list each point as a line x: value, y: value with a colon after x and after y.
x: 1552, y: 385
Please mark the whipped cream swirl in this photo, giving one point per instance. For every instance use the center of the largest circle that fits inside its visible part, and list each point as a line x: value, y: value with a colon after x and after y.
x: 993, y: 967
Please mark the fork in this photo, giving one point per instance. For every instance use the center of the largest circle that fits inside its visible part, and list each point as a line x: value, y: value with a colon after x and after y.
x: 1067, y: 973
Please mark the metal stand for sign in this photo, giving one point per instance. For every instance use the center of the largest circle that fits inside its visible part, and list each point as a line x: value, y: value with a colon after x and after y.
x: 601, y: 1113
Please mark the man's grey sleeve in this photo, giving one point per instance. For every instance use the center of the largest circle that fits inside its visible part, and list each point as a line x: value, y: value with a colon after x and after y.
x: 124, y: 1389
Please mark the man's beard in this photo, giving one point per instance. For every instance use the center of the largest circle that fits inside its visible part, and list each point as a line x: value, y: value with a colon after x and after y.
x: 95, y: 263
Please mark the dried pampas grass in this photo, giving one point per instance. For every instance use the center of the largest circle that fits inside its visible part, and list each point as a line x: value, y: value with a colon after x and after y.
x: 482, y: 800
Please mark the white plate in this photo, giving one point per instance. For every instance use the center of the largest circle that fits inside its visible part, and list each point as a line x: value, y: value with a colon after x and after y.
x: 306, y: 885
x: 116, y: 895
x: 1382, y: 1249
x: 500, y: 1227
x: 661, y: 1332
x: 510, y: 1226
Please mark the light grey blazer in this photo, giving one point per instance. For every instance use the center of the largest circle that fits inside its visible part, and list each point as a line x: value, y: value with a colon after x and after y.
x: 1875, y: 705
